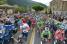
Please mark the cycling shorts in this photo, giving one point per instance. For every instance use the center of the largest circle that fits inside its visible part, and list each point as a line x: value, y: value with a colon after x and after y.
x: 45, y: 36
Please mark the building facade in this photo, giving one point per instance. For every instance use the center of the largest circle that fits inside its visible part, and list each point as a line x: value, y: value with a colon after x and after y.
x: 59, y: 7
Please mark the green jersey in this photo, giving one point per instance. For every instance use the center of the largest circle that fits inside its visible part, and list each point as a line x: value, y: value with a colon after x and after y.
x: 45, y: 32
x: 40, y: 23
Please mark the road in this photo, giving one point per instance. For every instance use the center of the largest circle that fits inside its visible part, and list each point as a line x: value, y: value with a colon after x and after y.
x: 16, y: 38
x: 37, y: 39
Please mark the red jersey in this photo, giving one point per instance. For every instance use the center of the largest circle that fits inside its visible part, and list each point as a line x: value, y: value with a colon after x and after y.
x: 59, y: 35
x: 33, y: 21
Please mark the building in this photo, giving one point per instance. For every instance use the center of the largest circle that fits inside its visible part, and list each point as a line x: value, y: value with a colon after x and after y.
x: 59, y: 7
x: 6, y: 10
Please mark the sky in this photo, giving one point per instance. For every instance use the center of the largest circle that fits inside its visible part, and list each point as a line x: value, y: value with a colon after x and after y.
x: 47, y: 2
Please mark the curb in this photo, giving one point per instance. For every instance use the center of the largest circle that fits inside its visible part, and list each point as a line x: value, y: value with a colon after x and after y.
x: 31, y: 41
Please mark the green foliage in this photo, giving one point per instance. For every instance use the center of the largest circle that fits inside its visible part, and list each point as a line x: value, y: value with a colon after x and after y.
x: 37, y: 3
x: 50, y: 12
x: 3, y: 2
x: 38, y: 7
x: 46, y: 12
x: 25, y: 3
x: 20, y: 9
x: 19, y: 2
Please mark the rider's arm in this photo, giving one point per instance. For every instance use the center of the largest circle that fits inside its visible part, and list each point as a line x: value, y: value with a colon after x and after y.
x: 42, y: 34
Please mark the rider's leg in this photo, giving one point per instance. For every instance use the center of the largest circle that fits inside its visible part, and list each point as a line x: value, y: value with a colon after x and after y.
x: 23, y: 34
x: 49, y: 40
x: 63, y: 42
x: 26, y: 34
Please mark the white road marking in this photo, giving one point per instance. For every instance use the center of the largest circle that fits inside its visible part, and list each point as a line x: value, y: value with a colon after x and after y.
x: 41, y: 42
x: 33, y: 40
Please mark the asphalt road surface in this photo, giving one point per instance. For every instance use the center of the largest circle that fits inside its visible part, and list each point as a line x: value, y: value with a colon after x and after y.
x: 16, y: 39
x: 37, y: 39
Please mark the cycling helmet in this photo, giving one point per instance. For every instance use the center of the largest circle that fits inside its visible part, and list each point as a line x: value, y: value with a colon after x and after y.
x: 61, y: 27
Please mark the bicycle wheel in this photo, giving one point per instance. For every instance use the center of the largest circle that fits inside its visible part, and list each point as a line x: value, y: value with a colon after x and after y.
x: 59, y: 42
x: 55, y: 42
x: 20, y: 42
x: 45, y: 41
x: 11, y: 41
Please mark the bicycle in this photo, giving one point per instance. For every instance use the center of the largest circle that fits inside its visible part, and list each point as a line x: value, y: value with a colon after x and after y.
x: 59, y: 42
x: 46, y: 40
x: 20, y: 39
x: 65, y: 40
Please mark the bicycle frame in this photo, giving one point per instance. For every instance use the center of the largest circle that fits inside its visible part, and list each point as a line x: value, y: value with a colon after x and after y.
x: 46, y: 41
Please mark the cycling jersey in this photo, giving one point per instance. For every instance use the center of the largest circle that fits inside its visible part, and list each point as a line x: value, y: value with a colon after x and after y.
x: 46, y: 34
x: 59, y: 35
x: 40, y: 23
x: 25, y: 27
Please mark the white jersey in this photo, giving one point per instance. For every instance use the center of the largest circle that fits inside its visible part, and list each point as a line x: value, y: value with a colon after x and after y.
x: 25, y: 27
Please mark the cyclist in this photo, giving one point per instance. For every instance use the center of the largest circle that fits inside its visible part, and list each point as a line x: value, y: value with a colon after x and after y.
x: 46, y: 34
x: 40, y: 24
x: 59, y: 35
x: 25, y: 28
x: 29, y: 22
x: 33, y: 22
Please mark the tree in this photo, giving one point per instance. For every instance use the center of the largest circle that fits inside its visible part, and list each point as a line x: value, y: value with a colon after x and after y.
x: 20, y: 2
x: 50, y: 12
x: 25, y: 3
x: 38, y: 3
x: 38, y: 7
x: 3, y: 2
x: 20, y: 9
x: 46, y: 12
